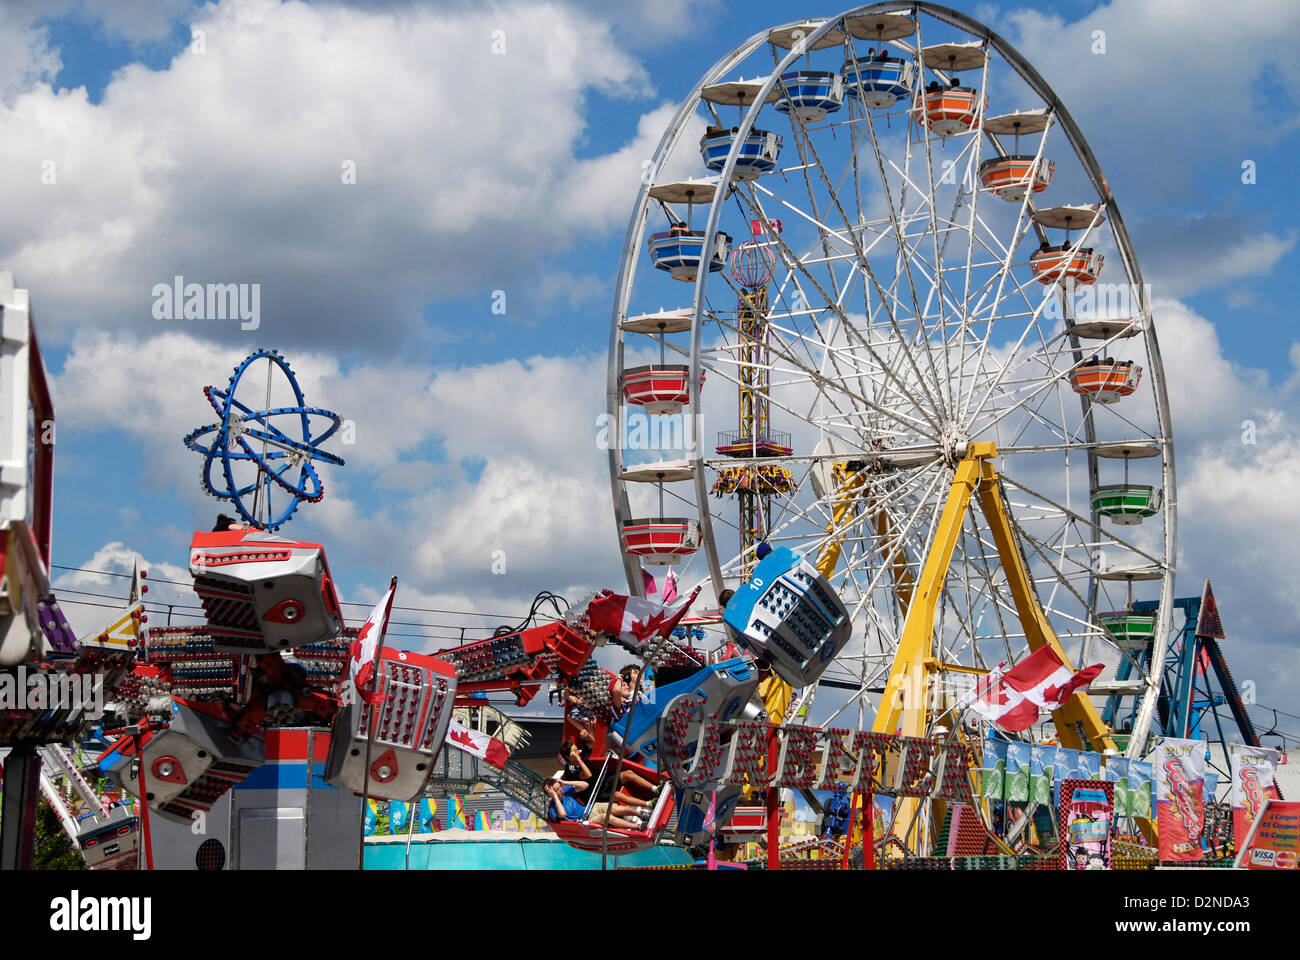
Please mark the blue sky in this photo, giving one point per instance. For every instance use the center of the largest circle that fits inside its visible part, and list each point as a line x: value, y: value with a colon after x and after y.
x: 473, y: 424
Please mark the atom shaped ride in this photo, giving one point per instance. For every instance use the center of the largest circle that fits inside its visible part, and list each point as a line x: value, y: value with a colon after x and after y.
x: 279, y: 454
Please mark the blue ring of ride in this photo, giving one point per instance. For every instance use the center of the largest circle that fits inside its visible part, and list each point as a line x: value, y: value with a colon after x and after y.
x: 308, y: 486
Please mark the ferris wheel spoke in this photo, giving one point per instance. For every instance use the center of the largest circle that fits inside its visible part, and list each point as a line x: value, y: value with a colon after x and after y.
x: 1066, y: 511
x: 898, y: 234
x: 793, y: 262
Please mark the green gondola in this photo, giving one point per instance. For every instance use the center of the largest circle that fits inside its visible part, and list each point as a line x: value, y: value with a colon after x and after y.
x: 1126, y: 503
x: 1129, y: 630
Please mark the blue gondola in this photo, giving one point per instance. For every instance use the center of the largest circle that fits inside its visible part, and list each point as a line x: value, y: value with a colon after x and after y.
x: 758, y: 151
x: 879, y: 82
x: 680, y: 252
x: 810, y: 94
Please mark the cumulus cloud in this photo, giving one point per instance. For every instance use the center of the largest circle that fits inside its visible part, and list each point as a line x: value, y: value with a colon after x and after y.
x: 1132, y: 99
x: 230, y: 165
x: 403, y: 501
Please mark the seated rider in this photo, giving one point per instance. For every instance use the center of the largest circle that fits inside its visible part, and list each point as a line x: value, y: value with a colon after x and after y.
x: 576, y: 770
x: 564, y: 806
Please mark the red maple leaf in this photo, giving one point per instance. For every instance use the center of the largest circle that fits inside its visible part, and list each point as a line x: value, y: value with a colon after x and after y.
x: 355, y: 649
x: 650, y: 628
x: 463, y: 737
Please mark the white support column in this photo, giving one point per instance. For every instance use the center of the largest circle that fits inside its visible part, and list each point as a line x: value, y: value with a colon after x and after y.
x: 15, y: 325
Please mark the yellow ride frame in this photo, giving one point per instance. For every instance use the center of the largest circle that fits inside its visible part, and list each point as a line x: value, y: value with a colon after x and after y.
x: 904, y: 707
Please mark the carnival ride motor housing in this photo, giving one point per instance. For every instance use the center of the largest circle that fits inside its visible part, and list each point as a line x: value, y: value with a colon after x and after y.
x: 188, y: 765
x: 788, y: 614
x: 113, y: 844
x: 409, y: 728
x: 693, y: 812
x: 263, y: 592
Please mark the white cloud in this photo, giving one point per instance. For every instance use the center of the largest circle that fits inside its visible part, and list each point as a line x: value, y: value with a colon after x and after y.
x: 1135, y: 94
x: 93, y: 597
x: 25, y: 54
x: 542, y: 495
x: 228, y: 166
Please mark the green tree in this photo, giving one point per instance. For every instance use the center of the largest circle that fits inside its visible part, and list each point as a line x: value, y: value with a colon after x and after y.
x: 54, y: 848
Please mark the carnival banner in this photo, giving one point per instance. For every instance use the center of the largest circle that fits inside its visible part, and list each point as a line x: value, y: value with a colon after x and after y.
x: 1180, y: 798
x: 1254, y: 781
x: 1087, y: 808
x: 1018, y: 772
x: 993, y: 779
x: 1089, y: 765
x: 1116, y: 772
x: 1273, y: 842
x: 397, y: 813
x: 1140, y: 776
x: 1042, y: 764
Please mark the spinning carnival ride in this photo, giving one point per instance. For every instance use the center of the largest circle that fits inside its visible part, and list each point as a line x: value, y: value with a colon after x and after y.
x: 268, y: 463
x: 939, y: 303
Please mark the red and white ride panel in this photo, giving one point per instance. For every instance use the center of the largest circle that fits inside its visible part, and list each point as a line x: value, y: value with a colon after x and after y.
x: 409, y: 725
x: 263, y: 592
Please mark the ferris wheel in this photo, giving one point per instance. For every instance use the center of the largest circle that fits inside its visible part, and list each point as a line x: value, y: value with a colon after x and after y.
x: 885, y: 250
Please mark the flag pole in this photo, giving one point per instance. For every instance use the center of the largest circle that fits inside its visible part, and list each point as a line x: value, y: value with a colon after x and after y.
x: 370, y: 722
x: 417, y: 807
x: 618, y: 766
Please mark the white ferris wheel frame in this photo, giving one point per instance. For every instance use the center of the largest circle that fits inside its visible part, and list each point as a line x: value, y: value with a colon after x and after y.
x: 632, y: 250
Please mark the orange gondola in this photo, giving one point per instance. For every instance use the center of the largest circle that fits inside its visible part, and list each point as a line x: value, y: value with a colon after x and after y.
x: 1064, y: 262
x: 1012, y: 177
x: 1106, y: 380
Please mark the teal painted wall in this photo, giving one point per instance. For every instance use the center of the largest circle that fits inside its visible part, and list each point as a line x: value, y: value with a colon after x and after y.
x: 508, y: 855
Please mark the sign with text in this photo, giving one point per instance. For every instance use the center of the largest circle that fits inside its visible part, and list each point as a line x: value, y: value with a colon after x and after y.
x: 732, y: 752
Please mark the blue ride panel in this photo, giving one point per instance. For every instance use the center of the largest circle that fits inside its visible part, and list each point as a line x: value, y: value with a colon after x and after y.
x: 789, y: 614
x: 726, y: 687
x: 758, y: 154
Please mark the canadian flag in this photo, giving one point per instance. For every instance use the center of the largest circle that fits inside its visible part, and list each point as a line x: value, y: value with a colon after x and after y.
x: 365, y: 648
x: 1041, y: 681
x: 634, y: 620
x: 478, y: 744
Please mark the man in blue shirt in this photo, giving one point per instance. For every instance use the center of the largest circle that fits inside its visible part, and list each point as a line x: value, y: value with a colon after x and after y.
x: 565, y: 806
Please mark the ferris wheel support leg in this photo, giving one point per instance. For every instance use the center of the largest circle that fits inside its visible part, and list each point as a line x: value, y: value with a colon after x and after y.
x: 1078, y: 724
x: 903, y: 705
x: 848, y: 481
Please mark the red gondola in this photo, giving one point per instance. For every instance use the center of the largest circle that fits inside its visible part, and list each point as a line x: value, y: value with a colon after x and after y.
x: 590, y: 835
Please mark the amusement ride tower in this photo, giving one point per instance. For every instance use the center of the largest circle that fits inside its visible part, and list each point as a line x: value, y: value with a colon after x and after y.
x: 753, y: 484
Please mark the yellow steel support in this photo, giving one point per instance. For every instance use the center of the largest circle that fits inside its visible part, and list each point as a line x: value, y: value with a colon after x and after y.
x: 903, y: 584
x: 1078, y: 724
x: 904, y: 705
x: 847, y: 482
